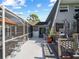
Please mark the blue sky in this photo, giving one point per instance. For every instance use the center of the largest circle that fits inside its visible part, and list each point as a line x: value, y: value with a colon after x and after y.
x: 24, y: 8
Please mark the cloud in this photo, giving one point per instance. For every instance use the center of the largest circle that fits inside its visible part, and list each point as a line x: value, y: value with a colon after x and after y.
x: 19, y: 13
x: 17, y: 7
x: 51, y: 4
x: 36, y: 11
x: 32, y: 0
x: 9, y: 2
x: 39, y: 5
x: 46, y: 9
x: 29, y: 11
x: 32, y: 11
x: 53, y: 0
x: 21, y: 2
x: 14, y: 2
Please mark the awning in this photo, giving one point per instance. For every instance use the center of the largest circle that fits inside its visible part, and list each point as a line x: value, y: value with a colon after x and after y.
x: 8, y: 21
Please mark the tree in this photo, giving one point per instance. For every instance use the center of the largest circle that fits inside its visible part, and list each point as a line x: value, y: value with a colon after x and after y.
x: 33, y: 19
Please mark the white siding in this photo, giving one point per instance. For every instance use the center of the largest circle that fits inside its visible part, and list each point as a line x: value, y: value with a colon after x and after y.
x: 69, y: 16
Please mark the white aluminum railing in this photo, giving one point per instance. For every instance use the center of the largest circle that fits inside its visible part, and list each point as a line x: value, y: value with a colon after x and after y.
x: 16, y: 37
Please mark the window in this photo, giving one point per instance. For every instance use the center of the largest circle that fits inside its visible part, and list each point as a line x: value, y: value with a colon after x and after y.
x: 64, y: 10
x: 59, y: 26
x: 77, y: 10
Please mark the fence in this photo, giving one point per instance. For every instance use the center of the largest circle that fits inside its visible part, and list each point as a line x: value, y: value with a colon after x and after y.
x: 13, y: 45
x: 68, y: 47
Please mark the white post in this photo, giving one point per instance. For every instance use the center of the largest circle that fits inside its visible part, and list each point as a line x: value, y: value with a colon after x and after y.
x: 15, y: 30
x: 7, y: 30
x: 27, y: 31
x: 46, y: 29
x: 3, y: 31
x: 39, y: 30
x: 10, y: 32
x: 59, y: 48
x: 24, y: 31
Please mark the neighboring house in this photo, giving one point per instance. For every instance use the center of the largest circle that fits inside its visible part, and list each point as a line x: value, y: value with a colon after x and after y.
x: 40, y: 27
x: 47, y: 25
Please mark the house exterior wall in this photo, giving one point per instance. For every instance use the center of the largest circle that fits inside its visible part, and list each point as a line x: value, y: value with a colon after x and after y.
x: 67, y: 16
x: 69, y: 1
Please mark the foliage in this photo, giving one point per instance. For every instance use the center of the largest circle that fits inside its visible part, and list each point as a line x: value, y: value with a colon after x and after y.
x: 53, y: 32
x: 33, y: 19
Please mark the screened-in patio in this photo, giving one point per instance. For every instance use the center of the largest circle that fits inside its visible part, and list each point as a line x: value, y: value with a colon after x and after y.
x: 15, y: 31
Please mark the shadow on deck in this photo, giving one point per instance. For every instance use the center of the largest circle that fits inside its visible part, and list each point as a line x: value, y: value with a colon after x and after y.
x: 50, y: 51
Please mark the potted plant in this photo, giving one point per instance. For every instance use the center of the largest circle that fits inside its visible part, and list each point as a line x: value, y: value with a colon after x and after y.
x: 51, y: 36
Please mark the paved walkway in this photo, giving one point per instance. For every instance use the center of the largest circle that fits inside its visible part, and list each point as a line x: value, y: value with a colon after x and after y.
x: 32, y: 49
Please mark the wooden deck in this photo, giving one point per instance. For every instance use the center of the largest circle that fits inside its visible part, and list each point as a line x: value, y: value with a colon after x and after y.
x: 49, y: 51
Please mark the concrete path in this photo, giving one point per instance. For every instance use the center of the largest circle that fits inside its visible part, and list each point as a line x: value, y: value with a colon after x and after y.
x: 32, y: 49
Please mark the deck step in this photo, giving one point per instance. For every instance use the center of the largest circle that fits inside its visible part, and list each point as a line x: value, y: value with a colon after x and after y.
x: 50, y: 58
x: 47, y: 53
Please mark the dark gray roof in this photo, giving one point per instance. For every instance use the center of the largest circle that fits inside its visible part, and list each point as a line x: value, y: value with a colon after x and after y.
x: 50, y: 17
x: 41, y: 23
x: 52, y: 14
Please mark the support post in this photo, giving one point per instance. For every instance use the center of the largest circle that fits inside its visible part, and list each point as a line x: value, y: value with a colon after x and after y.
x: 15, y: 30
x: 59, y: 48
x: 24, y: 31
x: 7, y: 30
x: 27, y: 31
x: 3, y: 31
x: 10, y: 32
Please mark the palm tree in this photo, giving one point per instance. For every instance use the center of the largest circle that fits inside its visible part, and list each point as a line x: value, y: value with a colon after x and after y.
x: 33, y: 19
